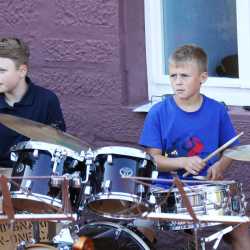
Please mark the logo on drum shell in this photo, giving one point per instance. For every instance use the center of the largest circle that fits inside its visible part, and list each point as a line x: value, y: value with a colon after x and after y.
x: 126, y: 172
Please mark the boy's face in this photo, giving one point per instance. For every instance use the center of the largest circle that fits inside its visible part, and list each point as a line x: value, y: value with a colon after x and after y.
x: 10, y: 76
x: 186, y: 79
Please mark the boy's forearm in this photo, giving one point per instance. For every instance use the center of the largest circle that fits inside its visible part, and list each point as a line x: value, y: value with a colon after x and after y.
x: 165, y: 164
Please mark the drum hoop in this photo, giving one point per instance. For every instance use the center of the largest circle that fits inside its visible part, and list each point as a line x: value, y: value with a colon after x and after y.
x: 109, y: 196
x: 206, y: 188
x: 118, y: 226
x: 49, y: 147
x: 37, y: 197
x: 124, y: 151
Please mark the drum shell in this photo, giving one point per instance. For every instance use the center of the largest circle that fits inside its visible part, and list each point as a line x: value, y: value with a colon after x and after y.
x: 35, y: 159
x: 110, y: 192
x: 105, y: 172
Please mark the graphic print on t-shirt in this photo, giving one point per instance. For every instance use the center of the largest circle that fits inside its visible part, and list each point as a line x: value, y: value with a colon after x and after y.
x: 187, y: 146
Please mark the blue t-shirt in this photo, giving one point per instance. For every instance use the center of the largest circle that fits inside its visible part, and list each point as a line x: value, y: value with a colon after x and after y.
x: 38, y: 104
x: 180, y: 134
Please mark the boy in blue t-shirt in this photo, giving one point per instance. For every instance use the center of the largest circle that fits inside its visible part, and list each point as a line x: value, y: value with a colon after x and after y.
x: 183, y: 129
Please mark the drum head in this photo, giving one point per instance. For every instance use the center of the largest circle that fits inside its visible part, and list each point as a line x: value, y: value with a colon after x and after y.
x: 118, y: 208
x: 106, y: 235
x: 35, y: 203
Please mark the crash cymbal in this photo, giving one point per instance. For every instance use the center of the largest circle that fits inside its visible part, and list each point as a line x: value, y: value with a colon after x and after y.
x: 240, y: 153
x: 41, y: 132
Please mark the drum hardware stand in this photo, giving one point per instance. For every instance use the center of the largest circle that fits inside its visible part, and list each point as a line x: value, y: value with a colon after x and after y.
x: 216, y: 236
x: 7, y: 204
x: 36, y: 231
x: 58, y: 159
x: 86, y: 190
x: 190, y: 210
x: 65, y: 196
x: 8, y: 208
x: 89, y: 157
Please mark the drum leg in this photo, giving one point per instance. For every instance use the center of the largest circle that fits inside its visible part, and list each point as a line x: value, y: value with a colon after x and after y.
x: 36, y: 231
x: 196, y: 240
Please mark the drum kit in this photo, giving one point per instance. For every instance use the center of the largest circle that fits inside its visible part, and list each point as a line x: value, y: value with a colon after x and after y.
x: 56, y: 177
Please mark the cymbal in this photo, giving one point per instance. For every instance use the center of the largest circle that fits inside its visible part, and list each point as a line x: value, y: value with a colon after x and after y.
x: 41, y: 132
x: 240, y: 153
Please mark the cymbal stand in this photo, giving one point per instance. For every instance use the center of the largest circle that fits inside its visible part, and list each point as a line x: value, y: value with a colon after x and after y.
x: 216, y: 236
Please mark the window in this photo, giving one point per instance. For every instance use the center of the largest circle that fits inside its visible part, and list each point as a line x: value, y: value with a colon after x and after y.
x: 222, y: 28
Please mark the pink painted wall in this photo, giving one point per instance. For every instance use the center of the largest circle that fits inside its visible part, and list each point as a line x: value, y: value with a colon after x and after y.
x: 92, y: 54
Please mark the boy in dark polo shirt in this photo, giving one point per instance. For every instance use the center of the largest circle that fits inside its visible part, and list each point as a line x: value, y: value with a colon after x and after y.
x: 20, y: 97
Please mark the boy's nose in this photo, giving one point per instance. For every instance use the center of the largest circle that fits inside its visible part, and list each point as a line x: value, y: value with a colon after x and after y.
x: 178, y: 80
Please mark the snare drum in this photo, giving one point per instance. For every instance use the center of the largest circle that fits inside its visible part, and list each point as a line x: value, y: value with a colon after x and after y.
x: 112, y: 196
x: 40, y: 159
x: 224, y: 199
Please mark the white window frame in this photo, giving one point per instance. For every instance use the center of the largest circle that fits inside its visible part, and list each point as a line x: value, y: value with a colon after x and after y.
x: 232, y: 91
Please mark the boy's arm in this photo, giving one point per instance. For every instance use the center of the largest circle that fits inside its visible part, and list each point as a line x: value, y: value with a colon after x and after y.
x: 192, y: 164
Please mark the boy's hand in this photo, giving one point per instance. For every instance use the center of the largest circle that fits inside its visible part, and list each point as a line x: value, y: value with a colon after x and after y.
x: 193, y: 164
x: 215, y: 172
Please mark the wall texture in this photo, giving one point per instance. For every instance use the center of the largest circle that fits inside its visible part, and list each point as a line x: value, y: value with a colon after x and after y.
x: 92, y: 55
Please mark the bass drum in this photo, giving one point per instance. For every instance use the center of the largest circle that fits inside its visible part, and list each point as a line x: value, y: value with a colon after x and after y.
x: 111, y: 236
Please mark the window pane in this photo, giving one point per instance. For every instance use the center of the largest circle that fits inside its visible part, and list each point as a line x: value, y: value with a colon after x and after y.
x: 210, y: 24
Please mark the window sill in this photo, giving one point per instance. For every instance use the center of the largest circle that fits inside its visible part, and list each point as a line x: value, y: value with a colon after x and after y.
x: 144, y: 108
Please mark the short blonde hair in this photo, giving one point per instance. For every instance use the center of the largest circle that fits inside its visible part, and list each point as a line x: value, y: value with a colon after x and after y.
x: 14, y: 49
x: 190, y: 53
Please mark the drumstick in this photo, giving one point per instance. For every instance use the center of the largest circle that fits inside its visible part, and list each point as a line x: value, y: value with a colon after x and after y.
x: 218, y: 150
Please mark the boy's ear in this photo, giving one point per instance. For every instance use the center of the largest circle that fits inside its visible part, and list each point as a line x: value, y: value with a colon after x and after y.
x: 204, y: 76
x: 23, y: 68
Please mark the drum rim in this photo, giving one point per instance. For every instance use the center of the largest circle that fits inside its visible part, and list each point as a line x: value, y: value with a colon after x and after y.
x: 118, y: 226
x: 43, y: 198
x: 122, y: 150
x: 194, y: 188
x: 45, y: 146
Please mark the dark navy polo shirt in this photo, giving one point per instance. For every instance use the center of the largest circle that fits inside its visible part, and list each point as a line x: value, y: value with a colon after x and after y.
x: 38, y: 104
